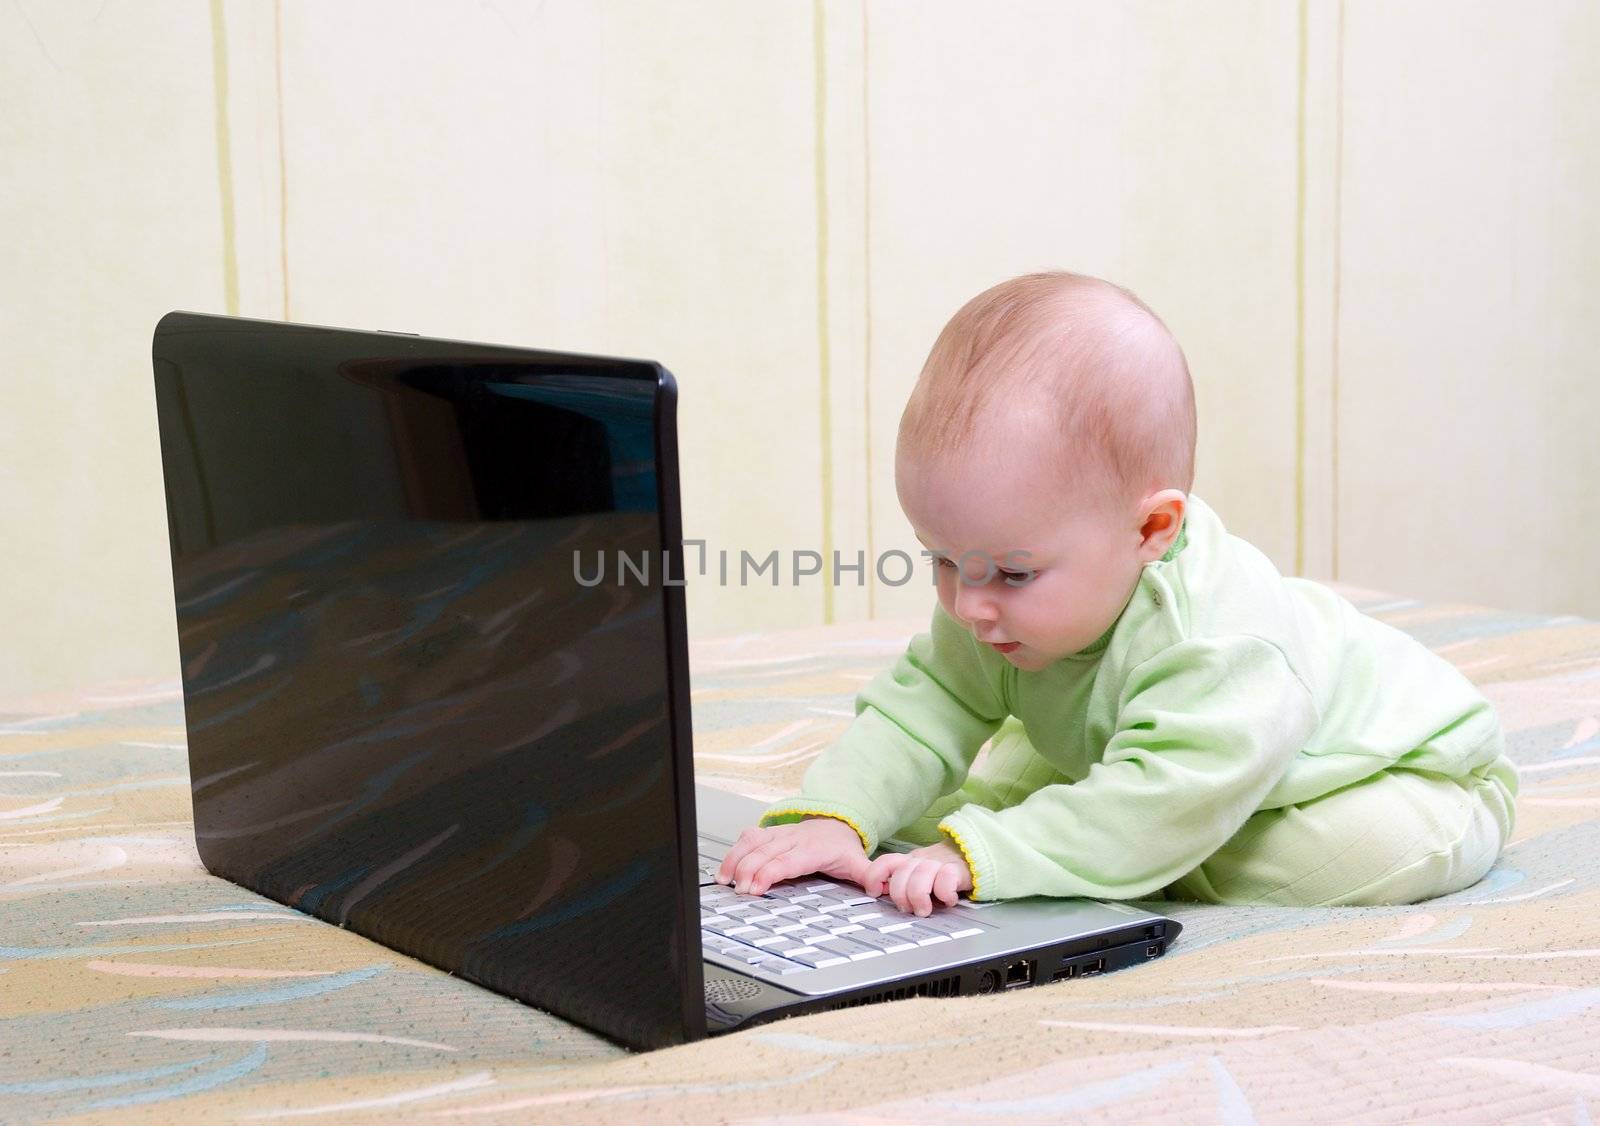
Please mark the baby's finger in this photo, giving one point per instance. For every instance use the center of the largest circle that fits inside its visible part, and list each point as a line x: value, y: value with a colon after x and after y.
x: 945, y: 883
x: 747, y: 840
x: 919, y: 887
x: 734, y: 855
x: 752, y: 861
x: 900, y: 881
x: 792, y: 861
x: 876, y: 880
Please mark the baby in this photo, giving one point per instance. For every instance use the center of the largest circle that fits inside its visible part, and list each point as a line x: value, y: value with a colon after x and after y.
x: 1169, y: 716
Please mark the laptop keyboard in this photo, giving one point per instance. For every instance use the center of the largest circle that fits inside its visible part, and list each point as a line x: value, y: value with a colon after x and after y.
x: 809, y: 924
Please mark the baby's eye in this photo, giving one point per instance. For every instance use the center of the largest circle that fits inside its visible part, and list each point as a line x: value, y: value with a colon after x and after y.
x: 1016, y: 578
x: 943, y: 562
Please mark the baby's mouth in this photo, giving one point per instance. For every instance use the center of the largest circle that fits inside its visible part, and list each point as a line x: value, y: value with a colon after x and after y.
x: 1006, y: 646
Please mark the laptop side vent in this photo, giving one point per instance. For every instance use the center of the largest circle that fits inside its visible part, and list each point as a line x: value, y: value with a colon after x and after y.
x: 941, y: 987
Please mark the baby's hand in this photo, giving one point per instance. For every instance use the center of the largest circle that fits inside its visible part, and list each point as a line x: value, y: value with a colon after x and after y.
x: 912, y: 878
x: 762, y: 857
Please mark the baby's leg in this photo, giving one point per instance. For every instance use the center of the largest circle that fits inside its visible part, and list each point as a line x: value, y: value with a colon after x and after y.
x: 1398, y: 837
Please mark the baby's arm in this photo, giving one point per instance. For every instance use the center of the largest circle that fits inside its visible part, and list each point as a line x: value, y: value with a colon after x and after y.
x: 918, y: 727
x: 1205, y: 730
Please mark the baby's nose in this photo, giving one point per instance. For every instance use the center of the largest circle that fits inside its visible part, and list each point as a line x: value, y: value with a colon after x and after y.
x: 973, y: 607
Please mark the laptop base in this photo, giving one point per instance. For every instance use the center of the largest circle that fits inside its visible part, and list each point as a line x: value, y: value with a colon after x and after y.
x: 735, y: 1001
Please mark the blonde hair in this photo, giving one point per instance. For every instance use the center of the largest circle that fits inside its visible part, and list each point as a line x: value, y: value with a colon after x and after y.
x: 1108, y: 377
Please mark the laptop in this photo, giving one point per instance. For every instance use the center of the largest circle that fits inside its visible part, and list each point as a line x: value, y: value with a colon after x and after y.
x: 413, y: 711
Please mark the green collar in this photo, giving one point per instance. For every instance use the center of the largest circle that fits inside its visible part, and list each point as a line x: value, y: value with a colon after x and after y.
x: 1178, y: 544
x: 1099, y: 645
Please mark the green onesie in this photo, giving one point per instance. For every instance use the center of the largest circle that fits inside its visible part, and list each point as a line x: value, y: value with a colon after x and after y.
x: 1235, y: 737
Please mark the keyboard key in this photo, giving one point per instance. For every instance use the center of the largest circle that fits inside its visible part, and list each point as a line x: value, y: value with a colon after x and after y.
x: 811, y: 897
x: 855, y: 951
x: 888, y: 943
x: 788, y: 928
x: 888, y: 926
x: 732, y: 932
x: 845, y: 928
x: 923, y: 936
x: 739, y: 953
x: 858, y: 900
x: 822, y: 885
x: 786, y: 909
x: 767, y: 941
x: 781, y: 966
x: 714, y: 921
x: 952, y: 925
x: 810, y: 934
x: 783, y: 890
x: 781, y: 944
x: 817, y: 960
x: 815, y: 920
x: 863, y: 916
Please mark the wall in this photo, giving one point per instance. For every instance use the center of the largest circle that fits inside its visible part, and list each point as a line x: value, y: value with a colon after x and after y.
x: 1368, y: 224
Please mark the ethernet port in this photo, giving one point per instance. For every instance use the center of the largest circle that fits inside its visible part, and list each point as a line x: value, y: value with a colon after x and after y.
x: 1019, y: 973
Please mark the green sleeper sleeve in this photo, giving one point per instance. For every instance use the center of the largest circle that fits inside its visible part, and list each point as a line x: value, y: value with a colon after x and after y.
x: 918, y: 725
x: 1204, y: 729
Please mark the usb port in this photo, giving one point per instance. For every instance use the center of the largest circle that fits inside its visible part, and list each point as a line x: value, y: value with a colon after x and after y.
x: 1064, y: 973
x: 1093, y: 967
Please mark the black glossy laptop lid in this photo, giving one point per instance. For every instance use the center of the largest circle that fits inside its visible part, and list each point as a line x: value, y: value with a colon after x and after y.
x: 410, y: 711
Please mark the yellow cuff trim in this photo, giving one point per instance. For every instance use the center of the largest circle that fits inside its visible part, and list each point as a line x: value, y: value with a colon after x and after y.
x: 965, y: 854
x: 865, y: 841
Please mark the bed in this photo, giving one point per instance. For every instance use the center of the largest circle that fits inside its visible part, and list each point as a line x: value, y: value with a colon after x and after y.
x: 136, y: 987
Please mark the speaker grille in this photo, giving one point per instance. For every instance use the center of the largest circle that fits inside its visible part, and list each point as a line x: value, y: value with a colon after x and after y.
x: 720, y: 990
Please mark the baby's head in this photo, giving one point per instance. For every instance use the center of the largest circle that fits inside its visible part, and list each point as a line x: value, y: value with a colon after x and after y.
x: 1054, y: 417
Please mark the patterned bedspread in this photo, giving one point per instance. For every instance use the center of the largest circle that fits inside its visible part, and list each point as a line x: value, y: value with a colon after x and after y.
x: 136, y: 987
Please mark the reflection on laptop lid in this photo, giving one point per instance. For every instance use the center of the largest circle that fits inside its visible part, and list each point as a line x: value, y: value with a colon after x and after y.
x: 405, y: 716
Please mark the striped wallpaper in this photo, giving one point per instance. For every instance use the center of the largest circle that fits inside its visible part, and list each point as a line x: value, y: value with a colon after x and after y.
x: 1366, y: 223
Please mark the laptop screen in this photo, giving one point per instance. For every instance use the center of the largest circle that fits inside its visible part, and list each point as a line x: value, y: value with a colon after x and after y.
x: 427, y: 653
